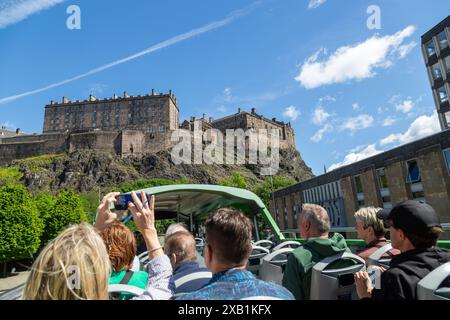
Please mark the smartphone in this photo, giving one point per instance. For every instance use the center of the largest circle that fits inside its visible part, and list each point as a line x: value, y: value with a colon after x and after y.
x: 123, y: 199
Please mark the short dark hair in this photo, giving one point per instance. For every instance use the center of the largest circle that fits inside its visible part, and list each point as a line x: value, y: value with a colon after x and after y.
x: 425, y: 240
x: 229, y: 233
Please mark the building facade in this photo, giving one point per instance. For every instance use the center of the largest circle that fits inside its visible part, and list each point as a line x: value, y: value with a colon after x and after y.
x: 419, y: 170
x: 436, y: 53
x: 149, y: 113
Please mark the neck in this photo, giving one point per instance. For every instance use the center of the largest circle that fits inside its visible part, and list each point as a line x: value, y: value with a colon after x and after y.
x: 370, y: 239
x: 222, y: 268
x: 406, y: 247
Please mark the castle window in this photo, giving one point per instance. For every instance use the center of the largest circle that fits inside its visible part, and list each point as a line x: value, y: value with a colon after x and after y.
x: 161, y: 128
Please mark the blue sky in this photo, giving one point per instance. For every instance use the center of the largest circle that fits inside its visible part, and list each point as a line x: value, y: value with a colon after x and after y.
x: 349, y: 92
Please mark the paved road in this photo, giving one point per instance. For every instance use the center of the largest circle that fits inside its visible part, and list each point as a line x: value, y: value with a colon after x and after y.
x: 13, y: 281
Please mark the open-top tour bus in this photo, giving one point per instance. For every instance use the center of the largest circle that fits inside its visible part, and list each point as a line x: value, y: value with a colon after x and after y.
x: 192, y: 203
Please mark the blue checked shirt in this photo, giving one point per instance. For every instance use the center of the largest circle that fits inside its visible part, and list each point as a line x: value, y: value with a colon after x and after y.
x: 237, y: 284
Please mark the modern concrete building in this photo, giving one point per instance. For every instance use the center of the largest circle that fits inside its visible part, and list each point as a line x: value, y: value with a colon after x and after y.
x: 418, y: 170
x: 436, y: 53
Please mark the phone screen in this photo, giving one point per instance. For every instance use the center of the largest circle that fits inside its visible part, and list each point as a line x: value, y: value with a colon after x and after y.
x: 123, y: 199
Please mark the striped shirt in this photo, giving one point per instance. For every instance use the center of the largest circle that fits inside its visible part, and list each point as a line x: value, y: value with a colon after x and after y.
x: 189, y: 277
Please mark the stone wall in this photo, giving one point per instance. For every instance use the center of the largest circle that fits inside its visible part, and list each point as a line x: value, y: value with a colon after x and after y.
x: 369, y: 184
x: 435, y: 180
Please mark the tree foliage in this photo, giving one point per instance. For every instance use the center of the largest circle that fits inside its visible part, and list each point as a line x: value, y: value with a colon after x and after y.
x: 236, y: 180
x: 66, y: 211
x: 20, y: 224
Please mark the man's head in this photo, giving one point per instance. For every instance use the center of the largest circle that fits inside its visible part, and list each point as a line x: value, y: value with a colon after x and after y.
x: 413, y: 225
x: 176, y: 227
x: 228, y: 240
x: 368, y: 226
x: 180, y: 247
x: 313, y: 221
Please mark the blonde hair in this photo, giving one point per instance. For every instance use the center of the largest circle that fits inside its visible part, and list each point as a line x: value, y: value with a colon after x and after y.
x: 74, y: 266
x: 368, y: 217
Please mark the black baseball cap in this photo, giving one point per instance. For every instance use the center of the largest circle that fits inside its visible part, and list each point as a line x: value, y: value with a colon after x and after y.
x: 411, y: 216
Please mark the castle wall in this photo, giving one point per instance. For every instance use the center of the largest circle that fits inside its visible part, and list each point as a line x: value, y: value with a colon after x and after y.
x: 245, y: 121
x: 13, y: 151
x: 100, y: 140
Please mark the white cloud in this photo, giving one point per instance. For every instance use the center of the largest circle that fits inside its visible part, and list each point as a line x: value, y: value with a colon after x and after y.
x: 15, y: 11
x: 291, y: 112
x: 389, y: 121
x: 421, y: 127
x: 360, y: 122
x: 227, y: 95
x: 405, y: 106
x: 356, y: 106
x: 354, y: 62
x: 315, y: 3
x: 356, y: 155
x: 318, y: 136
x: 404, y: 50
x: 320, y: 115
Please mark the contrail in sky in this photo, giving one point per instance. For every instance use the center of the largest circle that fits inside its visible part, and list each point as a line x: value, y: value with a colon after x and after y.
x: 167, y: 43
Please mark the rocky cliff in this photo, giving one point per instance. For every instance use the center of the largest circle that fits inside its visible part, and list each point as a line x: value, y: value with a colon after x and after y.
x: 87, y: 170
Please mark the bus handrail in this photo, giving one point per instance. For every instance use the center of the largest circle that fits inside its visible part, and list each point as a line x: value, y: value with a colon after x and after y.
x: 445, y: 227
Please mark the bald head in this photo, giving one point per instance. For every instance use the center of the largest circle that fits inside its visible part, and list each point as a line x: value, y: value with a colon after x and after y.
x: 176, y: 227
x: 182, y: 245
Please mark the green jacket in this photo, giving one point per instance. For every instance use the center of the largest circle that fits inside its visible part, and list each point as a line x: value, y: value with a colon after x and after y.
x: 297, y: 275
x: 138, y: 279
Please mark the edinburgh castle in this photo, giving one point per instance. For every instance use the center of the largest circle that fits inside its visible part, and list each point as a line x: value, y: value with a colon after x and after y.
x: 123, y: 126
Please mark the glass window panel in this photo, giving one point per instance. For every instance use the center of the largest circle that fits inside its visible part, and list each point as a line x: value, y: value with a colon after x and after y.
x: 442, y: 39
x: 442, y: 94
x: 430, y: 48
x: 413, y: 171
x: 447, y: 64
x: 436, y: 71
x: 358, y: 184
x: 447, y: 158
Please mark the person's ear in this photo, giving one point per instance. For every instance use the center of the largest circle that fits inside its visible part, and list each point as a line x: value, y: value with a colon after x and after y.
x: 207, y: 253
x: 173, y: 259
x: 401, y: 234
x: 306, y: 225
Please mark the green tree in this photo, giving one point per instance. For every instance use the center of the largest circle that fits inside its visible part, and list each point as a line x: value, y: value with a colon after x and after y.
x: 20, y: 224
x: 67, y: 210
x: 236, y: 180
x: 264, y: 190
x: 44, y: 204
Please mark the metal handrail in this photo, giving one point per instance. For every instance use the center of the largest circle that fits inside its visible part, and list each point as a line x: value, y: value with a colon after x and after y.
x: 445, y: 227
